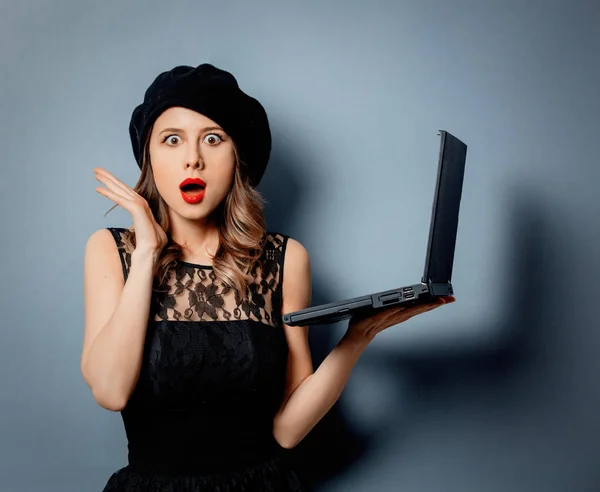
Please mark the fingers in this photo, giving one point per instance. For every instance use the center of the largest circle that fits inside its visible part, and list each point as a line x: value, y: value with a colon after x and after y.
x: 410, y: 311
x: 119, y: 192
x: 107, y: 179
x: 118, y: 198
x: 398, y: 314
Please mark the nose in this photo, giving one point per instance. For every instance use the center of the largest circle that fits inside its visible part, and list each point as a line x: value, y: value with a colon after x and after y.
x: 194, y: 159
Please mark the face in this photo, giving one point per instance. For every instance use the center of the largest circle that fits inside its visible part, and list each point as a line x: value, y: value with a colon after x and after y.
x: 186, y: 144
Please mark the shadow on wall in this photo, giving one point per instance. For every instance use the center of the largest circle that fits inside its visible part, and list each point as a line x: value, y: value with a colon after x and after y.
x: 334, y: 445
x: 499, y: 369
x: 522, y: 335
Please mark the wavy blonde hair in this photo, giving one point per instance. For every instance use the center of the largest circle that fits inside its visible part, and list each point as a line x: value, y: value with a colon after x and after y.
x: 240, y: 225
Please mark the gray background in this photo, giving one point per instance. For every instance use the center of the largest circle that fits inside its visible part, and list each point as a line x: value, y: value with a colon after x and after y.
x: 497, y: 392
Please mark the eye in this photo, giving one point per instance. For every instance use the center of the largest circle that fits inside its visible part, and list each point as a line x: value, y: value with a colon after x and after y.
x: 212, y: 136
x: 172, y: 139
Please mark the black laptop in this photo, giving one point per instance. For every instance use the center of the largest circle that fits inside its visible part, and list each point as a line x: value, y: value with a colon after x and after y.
x: 439, y: 258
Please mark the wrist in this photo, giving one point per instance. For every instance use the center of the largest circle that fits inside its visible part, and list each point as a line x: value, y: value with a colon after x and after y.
x: 356, y: 340
x: 144, y: 256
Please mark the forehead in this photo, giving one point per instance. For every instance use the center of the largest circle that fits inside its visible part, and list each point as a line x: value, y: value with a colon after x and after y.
x: 184, y: 118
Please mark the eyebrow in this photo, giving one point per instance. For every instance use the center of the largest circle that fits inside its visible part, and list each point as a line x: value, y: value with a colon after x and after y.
x: 179, y: 130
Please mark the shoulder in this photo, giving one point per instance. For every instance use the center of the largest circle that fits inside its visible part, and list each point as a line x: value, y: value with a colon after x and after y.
x: 296, y: 271
x: 120, y: 237
x: 102, y: 239
x: 291, y: 250
x: 109, y: 239
x: 109, y: 247
x: 296, y: 254
x: 101, y: 250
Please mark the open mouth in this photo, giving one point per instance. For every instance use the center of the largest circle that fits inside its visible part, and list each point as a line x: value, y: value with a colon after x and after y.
x: 192, y: 189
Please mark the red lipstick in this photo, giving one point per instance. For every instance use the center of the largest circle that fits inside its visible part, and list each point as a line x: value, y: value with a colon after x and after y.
x: 192, y: 190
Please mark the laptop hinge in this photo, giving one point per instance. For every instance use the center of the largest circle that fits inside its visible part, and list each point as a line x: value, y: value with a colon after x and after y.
x: 440, y: 289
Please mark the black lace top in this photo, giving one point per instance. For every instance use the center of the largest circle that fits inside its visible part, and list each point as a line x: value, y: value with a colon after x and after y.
x: 211, y: 381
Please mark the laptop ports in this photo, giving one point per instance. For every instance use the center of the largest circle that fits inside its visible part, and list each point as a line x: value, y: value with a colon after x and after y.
x: 387, y: 299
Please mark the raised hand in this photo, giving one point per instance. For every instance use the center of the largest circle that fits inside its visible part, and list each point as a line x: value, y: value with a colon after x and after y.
x: 149, y: 236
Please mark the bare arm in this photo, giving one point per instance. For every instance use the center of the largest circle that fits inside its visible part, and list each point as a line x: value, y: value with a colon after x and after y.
x: 116, y: 316
x: 309, y: 396
x: 315, y: 396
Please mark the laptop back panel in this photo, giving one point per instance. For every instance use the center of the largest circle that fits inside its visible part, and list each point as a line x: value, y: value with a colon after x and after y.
x: 437, y: 275
x: 441, y: 244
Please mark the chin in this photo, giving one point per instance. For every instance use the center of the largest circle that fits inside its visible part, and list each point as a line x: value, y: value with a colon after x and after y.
x: 198, y: 213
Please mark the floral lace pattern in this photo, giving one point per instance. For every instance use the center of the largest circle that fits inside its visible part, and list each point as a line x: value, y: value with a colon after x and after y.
x: 196, y: 294
x: 212, y: 378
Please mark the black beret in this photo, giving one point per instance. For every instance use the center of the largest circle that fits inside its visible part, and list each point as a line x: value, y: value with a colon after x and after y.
x: 216, y: 94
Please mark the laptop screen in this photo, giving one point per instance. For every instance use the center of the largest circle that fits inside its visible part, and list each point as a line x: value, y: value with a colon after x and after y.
x: 446, y: 204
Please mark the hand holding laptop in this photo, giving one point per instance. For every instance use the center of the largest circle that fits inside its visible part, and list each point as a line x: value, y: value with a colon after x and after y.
x: 436, y: 280
x: 363, y: 328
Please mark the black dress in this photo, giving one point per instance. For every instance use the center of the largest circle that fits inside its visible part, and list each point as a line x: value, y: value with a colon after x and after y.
x: 212, y: 378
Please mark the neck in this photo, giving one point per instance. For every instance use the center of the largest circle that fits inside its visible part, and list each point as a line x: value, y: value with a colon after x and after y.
x: 198, y: 238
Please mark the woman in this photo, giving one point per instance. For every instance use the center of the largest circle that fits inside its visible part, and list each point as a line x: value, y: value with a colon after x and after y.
x: 183, y: 328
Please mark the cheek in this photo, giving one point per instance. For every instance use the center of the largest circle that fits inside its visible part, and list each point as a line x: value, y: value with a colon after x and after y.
x: 220, y: 184
x: 227, y: 177
x: 164, y: 180
x: 221, y: 172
